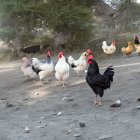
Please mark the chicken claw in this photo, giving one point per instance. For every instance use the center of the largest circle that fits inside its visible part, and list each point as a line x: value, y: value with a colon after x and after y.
x: 95, y: 103
x: 41, y: 83
x: 63, y: 85
x: 99, y: 105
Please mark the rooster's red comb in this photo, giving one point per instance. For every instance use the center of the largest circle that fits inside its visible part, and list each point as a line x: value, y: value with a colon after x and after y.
x: 48, y: 53
x: 90, y: 57
x: 88, y: 50
x: 60, y: 54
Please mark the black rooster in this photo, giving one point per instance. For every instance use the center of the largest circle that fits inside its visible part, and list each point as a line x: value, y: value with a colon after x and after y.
x: 96, y: 81
x: 136, y: 40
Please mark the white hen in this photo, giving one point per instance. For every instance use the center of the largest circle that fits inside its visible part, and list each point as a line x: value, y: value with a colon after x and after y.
x: 27, y: 69
x: 80, y: 64
x: 108, y: 49
x: 43, y: 69
x: 62, y: 69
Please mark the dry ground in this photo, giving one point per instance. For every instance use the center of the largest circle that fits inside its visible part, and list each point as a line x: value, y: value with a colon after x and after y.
x: 105, y: 122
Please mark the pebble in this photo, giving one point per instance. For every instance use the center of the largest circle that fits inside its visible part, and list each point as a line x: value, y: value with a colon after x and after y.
x: 17, y: 108
x: 9, y: 105
x: 68, y: 131
x: 44, y: 117
x: 3, y: 98
x: 138, y: 107
x: 41, y: 126
x: 36, y: 93
x: 77, y: 135
x: 104, y: 137
x: 118, y: 103
x: 68, y: 98
x: 25, y: 99
x: 59, y: 113
x: 81, y: 124
x: 27, y: 130
x: 86, y: 71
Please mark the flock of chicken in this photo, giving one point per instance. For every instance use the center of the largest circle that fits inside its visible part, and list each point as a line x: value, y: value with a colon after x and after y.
x: 95, y: 80
x: 128, y: 50
x: 37, y: 68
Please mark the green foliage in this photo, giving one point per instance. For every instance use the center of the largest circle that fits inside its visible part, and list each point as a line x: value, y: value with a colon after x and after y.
x: 7, y: 34
x: 19, y: 19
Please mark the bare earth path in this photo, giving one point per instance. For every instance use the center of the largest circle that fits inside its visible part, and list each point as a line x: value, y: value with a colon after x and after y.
x: 121, y: 123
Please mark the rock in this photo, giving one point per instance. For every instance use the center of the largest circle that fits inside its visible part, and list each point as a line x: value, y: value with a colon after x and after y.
x: 86, y: 71
x: 27, y: 130
x: 25, y: 99
x: 44, y: 117
x: 17, y: 108
x: 68, y: 98
x: 9, y: 105
x: 77, y: 135
x: 59, y: 113
x: 68, y: 131
x: 31, y: 49
x: 36, y: 93
x: 3, y: 98
x: 138, y: 107
x: 104, y: 137
x: 81, y: 124
x: 117, y: 104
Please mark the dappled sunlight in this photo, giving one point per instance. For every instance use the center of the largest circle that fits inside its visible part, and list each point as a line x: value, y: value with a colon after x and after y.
x: 6, y: 70
x: 38, y: 94
x: 124, y: 65
x: 7, y: 65
x: 125, y: 34
x: 77, y: 82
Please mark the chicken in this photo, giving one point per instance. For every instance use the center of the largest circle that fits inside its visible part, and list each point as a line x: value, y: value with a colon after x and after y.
x: 136, y: 42
x: 108, y: 49
x: 138, y: 50
x: 27, y: 69
x: 62, y: 69
x: 128, y: 50
x: 97, y: 82
x: 80, y: 64
x: 43, y: 69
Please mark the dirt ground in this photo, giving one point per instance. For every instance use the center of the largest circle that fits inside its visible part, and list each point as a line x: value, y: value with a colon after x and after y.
x: 39, y: 111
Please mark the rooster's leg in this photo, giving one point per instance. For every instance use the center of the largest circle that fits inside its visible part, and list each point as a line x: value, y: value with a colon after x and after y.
x: 63, y: 85
x: 41, y: 83
x: 77, y: 75
x: 95, y: 102
x: 100, y: 102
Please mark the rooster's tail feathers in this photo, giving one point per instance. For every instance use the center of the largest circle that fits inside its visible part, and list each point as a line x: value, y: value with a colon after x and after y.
x: 109, y: 72
x: 104, y: 44
x: 70, y: 60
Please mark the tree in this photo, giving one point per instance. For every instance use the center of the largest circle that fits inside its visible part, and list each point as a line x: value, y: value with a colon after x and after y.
x: 18, y: 22
x: 21, y: 18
